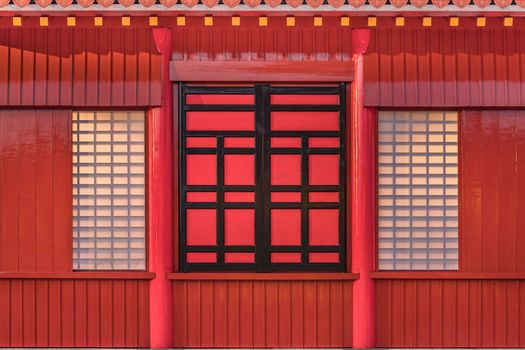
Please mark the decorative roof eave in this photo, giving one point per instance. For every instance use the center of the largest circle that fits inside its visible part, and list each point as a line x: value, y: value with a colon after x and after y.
x: 366, y: 9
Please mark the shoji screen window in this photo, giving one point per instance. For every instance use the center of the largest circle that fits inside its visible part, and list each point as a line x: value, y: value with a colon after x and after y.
x: 418, y: 190
x: 108, y: 191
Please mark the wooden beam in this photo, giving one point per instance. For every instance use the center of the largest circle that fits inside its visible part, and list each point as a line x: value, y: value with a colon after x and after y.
x: 261, y: 71
x: 253, y: 276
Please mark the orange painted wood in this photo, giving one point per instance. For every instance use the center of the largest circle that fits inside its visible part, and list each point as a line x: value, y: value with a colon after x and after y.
x: 81, y: 67
x: 450, y: 313
x: 279, y: 313
x: 261, y: 71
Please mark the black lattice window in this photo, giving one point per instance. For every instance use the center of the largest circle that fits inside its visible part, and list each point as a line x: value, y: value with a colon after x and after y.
x: 262, y: 178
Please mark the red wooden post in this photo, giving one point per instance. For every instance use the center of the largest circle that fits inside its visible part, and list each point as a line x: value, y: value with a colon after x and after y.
x: 160, y: 191
x: 363, y: 125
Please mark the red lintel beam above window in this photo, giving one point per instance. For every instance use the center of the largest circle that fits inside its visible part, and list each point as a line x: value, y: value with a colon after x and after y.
x: 262, y: 71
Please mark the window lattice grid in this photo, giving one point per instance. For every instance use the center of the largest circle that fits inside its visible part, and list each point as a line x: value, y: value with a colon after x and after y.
x: 108, y: 191
x: 418, y: 190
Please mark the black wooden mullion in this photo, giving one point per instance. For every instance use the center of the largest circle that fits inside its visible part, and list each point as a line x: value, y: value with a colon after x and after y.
x: 304, y: 200
x: 220, y: 200
x: 263, y: 130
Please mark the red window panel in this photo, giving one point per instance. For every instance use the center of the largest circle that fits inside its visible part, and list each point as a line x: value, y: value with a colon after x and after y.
x: 283, y: 197
x: 323, y: 197
x: 285, y: 169
x: 285, y: 142
x: 239, y: 169
x: 201, y: 169
x: 201, y: 197
x: 201, y: 227
x: 239, y: 257
x: 198, y: 257
x: 239, y: 142
x: 294, y: 99
x: 323, y: 169
x: 305, y: 121
x: 294, y: 258
x: 201, y: 142
x: 323, y: 257
x: 232, y: 121
x: 323, y: 142
x: 239, y: 197
x: 239, y: 227
x: 219, y: 99
x: 285, y: 227
x: 323, y: 227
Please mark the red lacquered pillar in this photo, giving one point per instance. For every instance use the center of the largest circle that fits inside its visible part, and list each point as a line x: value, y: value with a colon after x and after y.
x: 363, y: 125
x: 160, y: 195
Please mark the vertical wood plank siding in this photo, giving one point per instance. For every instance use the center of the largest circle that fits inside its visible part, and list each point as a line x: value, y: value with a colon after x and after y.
x: 249, y: 42
x: 79, y: 67
x: 492, y: 191
x: 450, y: 313
x: 35, y: 190
x: 261, y: 314
x: 445, y: 68
x: 74, y: 313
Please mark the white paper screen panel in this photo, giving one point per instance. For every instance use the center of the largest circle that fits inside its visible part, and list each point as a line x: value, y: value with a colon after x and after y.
x: 418, y: 190
x: 109, y: 191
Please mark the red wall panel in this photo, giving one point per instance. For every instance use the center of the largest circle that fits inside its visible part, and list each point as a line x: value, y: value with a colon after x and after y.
x: 492, y: 168
x: 263, y: 314
x: 445, y: 67
x: 450, y: 313
x: 74, y: 313
x: 79, y: 67
x: 250, y: 42
x: 35, y: 190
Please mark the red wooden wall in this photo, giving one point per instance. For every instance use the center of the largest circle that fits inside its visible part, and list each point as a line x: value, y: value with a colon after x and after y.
x: 493, y: 191
x: 36, y: 190
x: 250, y: 42
x: 44, y: 73
x: 445, y: 68
x: 450, y: 313
x: 79, y: 67
x: 74, y: 313
x: 487, y: 309
x: 263, y: 313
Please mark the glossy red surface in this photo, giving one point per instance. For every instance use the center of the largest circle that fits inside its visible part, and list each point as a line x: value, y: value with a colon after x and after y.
x: 74, y: 313
x: 201, y: 227
x: 239, y: 226
x: 362, y: 191
x: 84, y: 67
x: 450, y: 313
x: 304, y: 121
x: 238, y: 121
x: 285, y: 227
x: 35, y: 190
x: 163, y: 142
x: 274, y: 314
x: 492, y: 170
x: 445, y: 67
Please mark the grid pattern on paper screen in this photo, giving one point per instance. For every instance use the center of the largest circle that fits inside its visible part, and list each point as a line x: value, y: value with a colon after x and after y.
x: 418, y: 190
x: 108, y: 191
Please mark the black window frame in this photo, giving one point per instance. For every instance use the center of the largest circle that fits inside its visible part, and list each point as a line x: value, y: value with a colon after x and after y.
x: 262, y: 189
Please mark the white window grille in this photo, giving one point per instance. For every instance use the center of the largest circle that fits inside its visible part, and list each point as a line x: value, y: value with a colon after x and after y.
x: 109, y: 191
x: 418, y: 190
